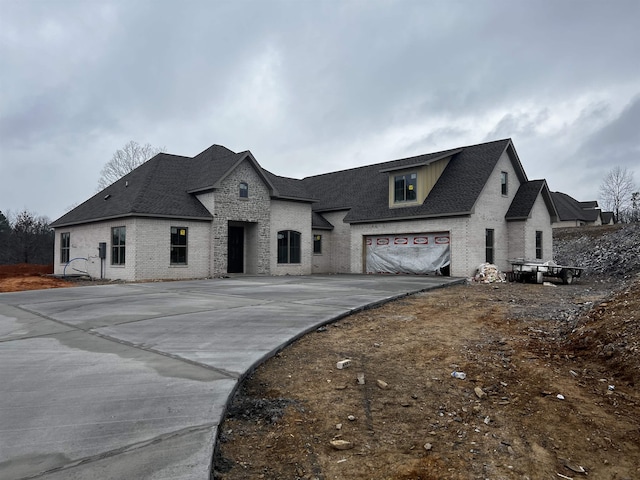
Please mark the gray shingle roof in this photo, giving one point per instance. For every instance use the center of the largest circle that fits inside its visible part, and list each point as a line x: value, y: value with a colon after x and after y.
x: 163, y: 187
x: 289, y: 188
x: 365, y: 192
x: 526, y: 196
x: 570, y: 209
x: 607, y: 217
x: 319, y: 222
x: 158, y: 187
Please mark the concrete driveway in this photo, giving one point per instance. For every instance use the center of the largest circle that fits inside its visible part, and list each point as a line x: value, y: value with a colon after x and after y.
x: 131, y: 381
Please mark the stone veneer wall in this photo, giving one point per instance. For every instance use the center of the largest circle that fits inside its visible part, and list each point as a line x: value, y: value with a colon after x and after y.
x: 252, y: 212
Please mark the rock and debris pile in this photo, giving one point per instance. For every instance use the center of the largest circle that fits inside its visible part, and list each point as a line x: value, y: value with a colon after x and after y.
x: 613, y: 251
x: 489, y: 273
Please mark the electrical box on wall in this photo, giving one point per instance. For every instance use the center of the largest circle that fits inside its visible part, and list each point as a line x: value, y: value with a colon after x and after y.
x: 102, y: 249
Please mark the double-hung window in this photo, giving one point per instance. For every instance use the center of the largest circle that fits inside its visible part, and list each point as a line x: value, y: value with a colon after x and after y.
x: 118, y: 244
x: 317, y: 244
x: 179, y: 245
x: 504, y: 183
x: 65, y: 247
x: 405, y: 187
x: 538, y: 244
x: 288, y: 246
x: 244, y: 190
x: 489, y: 238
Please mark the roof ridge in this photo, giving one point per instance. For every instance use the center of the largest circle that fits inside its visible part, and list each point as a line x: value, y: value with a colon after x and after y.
x: 431, y: 154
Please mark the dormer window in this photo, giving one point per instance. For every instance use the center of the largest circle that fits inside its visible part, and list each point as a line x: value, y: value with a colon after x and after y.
x: 244, y: 190
x: 405, y: 187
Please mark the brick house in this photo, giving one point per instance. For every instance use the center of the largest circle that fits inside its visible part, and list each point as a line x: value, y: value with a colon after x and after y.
x: 220, y: 212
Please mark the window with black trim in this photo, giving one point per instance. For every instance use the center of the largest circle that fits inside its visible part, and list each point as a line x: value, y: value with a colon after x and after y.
x: 179, y: 245
x: 489, y: 235
x: 118, y: 245
x: 405, y: 187
x: 288, y: 246
x: 504, y: 183
x: 538, y: 244
x: 65, y: 246
x: 244, y: 190
x: 317, y: 244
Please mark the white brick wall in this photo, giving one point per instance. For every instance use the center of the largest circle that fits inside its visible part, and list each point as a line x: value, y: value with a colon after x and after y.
x: 84, y: 244
x: 291, y: 216
x: 336, y: 245
x: 517, y: 236
x: 321, y: 263
x: 540, y: 220
x: 146, y: 252
x: 153, y: 248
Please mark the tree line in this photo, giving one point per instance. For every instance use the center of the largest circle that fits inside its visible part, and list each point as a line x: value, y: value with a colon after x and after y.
x: 25, y: 238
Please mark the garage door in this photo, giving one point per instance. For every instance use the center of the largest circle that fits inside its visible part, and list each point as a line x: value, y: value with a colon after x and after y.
x: 421, y: 254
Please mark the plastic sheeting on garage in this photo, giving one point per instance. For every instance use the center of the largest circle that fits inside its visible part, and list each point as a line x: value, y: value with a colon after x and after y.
x: 420, y: 254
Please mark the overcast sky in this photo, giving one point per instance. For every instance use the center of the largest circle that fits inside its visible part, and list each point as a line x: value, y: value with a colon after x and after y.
x: 313, y: 86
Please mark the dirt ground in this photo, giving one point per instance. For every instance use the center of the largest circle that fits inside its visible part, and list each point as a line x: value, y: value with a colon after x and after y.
x: 16, y: 278
x: 550, y: 390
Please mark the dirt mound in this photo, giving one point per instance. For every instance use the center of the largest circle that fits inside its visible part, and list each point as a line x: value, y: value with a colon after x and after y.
x: 611, y: 333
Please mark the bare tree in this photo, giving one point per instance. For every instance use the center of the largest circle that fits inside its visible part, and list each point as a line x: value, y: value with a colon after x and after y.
x: 616, y: 190
x: 129, y: 157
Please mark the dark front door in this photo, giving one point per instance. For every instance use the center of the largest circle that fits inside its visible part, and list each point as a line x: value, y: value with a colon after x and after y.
x: 235, y: 253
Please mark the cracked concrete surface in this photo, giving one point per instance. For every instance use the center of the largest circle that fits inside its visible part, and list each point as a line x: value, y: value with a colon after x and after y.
x: 131, y: 381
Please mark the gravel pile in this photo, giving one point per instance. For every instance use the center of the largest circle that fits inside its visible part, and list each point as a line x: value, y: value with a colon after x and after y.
x: 611, y: 251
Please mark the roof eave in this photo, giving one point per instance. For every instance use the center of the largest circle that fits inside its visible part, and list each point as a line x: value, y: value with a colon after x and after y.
x: 294, y: 199
x: 208, y: 188
x: 130, y: 215
x: 333, y: 209
x: 421, y: 164
x: 412, y: 217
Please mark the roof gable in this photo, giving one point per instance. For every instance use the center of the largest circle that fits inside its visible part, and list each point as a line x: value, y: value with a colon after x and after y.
x: 525, y: 198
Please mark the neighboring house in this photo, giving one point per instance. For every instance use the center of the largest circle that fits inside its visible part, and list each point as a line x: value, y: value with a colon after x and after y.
x: 220, y: 212
x: 607, y: 218
x: 572, y: 213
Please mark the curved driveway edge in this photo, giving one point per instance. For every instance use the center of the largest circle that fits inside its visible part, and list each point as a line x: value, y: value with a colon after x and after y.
x: 131, y: 381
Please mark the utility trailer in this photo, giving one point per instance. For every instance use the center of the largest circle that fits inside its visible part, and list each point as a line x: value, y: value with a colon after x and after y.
x: 523, y: 271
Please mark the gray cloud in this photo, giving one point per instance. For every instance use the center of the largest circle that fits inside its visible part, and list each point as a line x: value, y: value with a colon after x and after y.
x: 311, y: 86
x: 618, y: 142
